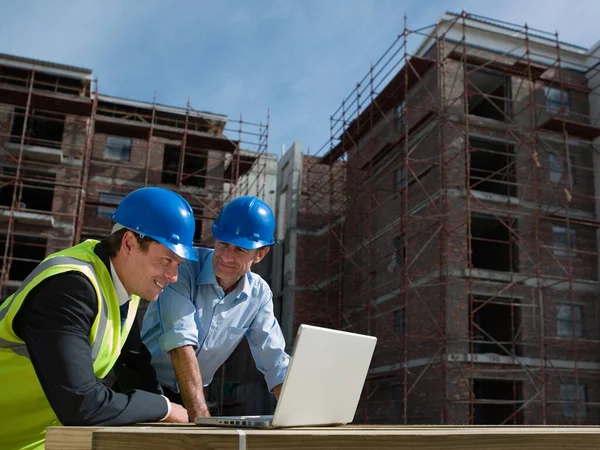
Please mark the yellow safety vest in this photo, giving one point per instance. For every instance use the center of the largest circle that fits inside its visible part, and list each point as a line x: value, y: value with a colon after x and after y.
x: 24, y: 410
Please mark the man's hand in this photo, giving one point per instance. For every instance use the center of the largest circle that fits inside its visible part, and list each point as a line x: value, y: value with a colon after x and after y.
x: 277, y: 391
x: 178, y: 414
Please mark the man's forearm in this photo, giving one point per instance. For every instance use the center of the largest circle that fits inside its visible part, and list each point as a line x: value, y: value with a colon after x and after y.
x: 189, y: 380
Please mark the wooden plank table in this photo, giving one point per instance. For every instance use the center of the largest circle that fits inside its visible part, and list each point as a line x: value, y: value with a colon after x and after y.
x: 162, y: 436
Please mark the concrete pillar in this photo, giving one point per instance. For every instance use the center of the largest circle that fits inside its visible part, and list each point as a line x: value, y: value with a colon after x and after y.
x: 594, y: 97
x: 289, y: 173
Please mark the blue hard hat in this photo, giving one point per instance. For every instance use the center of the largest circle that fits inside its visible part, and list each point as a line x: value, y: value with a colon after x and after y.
x: 162, y: 215
x: 246, y: 222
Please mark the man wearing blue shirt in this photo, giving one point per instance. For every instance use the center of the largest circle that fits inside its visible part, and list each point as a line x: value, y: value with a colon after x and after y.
x: 198, y: 321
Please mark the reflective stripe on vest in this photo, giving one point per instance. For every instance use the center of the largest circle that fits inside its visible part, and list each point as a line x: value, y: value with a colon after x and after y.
x: 20, y: 348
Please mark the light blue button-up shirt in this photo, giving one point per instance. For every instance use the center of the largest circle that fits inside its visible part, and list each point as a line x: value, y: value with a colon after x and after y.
x: 195, y: 311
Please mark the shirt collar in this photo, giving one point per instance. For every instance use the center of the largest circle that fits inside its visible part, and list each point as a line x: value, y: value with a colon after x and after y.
x: 244, y: 285
x: 207, y: 271
x: 119, y: 288
x: 207, y: 276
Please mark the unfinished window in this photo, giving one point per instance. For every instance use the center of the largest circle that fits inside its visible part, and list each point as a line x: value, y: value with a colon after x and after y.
x: 43, y: 129
x: 574, y: 398
x: 170, y: 164
x: 399, y: 249
x: 492, y: 167
x: 564, y: 241
x: 569, y: 321
x: 14, y: 76
x: 108, y: 203
x: 55, y: 83
x: 43, y: 81
x: 118, y: 148
x: 194, y: 166
x: 488, y: 93
x: 492, y: 244
x: 399, y: 322
x: 400, y: 116
x: 36, y: 191
x: 561, y: 169
x: 399, y: 178
x: 497, y: 402
x: 198, y: 230
x: 27, y: 252
x: 557, y: 101
x: 398, y: 254
x: 496, y: 323
x: 397, y: 402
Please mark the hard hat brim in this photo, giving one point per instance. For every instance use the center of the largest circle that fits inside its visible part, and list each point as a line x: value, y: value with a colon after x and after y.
x: 239, y: 241
x: 179, y: 249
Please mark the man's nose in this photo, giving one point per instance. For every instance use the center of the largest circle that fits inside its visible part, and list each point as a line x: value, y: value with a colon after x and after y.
x: 172, y: 273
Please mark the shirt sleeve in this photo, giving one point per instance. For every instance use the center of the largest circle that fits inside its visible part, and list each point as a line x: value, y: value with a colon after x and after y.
x: 55, y: 322
x: 177, y: 312
x: 267, y: 343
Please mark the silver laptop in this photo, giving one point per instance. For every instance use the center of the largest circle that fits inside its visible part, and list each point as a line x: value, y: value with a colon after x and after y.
x: 323, y: 383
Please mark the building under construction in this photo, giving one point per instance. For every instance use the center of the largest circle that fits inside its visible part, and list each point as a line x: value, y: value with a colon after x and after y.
x: 454, y: 214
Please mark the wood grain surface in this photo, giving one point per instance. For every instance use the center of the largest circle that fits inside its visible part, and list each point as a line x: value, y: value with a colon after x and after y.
x: 162, y: 436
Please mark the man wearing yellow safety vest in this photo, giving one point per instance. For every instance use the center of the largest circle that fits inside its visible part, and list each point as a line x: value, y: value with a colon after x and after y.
x: 65, y: 326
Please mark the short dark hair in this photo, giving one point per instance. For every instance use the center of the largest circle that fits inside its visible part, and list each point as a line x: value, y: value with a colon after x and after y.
x: 113, y: 243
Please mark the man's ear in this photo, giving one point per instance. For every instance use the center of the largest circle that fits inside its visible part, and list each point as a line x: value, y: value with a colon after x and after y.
x: 262, y: 252
x: 128, y: 243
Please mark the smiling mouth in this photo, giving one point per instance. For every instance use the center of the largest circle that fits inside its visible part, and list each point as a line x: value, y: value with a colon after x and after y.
x: 159, y: 285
